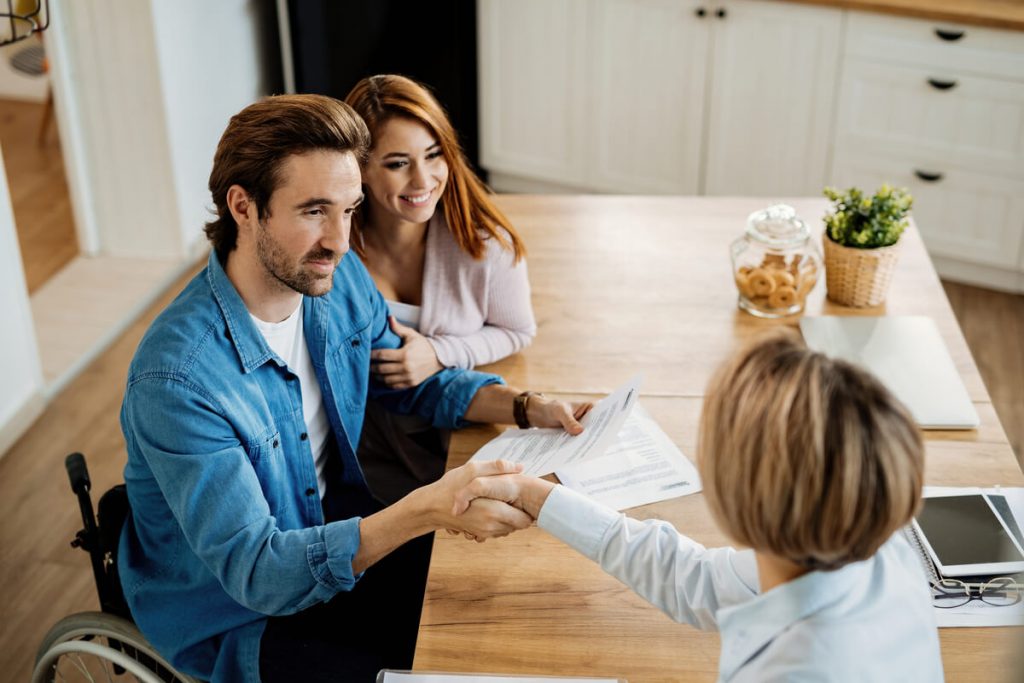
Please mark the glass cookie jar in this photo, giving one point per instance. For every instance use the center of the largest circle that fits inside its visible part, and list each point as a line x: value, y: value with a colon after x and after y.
x: 775, y: 263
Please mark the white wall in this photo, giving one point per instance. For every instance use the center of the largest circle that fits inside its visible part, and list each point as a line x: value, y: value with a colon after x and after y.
x: 21, y: 397
x: 209, y: 62
x: 153, y: 84
x: 109, y: 91
x: 14, y: 85
x: 143, y: 90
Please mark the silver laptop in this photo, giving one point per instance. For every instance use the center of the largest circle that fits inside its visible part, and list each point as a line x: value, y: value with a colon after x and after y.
x: 908, y: 355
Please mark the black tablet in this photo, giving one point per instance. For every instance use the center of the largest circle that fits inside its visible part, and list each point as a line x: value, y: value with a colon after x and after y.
x: 965, y: 536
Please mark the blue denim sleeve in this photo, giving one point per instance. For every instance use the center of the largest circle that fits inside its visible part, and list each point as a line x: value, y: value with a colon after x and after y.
x: 442, y: 398
x: 183, y: 436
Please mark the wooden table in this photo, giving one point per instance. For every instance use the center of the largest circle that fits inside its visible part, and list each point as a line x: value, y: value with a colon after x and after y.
x: 627, y: 284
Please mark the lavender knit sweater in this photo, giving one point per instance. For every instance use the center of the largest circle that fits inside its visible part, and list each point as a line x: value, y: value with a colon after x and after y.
x: 474, y: 312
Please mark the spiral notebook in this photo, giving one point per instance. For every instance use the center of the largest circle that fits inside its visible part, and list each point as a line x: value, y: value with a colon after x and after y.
x: 1009, y: 503
x: 1003, y: 509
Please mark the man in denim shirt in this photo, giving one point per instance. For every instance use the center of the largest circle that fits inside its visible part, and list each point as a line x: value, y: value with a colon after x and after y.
x: 242, y: 412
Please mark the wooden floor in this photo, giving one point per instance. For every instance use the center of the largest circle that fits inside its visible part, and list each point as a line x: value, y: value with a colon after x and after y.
x: 39, y: 192
x: 41, y: 577
x: 993, y: 324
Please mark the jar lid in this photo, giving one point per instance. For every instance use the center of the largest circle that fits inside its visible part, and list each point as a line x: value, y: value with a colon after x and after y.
x: 778, y: 226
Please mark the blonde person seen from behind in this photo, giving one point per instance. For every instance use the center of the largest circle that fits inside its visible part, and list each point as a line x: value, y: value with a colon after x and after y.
x: 813, y: 465
x: 448, y: 262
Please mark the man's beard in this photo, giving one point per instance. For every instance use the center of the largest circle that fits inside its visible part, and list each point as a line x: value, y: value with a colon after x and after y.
x: 276, y: 262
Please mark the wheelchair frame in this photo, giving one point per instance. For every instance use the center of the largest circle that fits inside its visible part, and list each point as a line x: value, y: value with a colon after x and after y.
x: 108, y: 637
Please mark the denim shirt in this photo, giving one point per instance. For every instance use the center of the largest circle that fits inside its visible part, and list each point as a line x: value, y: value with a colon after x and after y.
x: 226, y: 525
x: 866, y: 621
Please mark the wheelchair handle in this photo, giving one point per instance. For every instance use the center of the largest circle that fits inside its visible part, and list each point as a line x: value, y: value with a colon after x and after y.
x: 78, y: 473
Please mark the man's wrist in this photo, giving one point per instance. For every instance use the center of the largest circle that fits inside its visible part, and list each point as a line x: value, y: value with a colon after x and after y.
x: 527, y: 409
x: 419, y: 509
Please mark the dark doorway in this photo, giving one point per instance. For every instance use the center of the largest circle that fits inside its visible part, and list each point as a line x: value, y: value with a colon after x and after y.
x: 335, y: 43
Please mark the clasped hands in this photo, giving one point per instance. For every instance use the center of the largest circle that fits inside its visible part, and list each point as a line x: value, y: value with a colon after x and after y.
x: 488, y: 499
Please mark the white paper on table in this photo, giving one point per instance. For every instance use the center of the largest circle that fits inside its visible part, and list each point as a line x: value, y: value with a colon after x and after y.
x: 976, y: 612
x: 397, y: 677
x: 642, y: 466
x: 542, y: 451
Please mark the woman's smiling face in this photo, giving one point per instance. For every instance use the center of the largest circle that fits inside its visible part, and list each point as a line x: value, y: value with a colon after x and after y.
x: 406, y: 172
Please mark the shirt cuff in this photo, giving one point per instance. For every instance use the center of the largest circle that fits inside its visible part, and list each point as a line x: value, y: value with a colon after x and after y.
x: 331, y: 561
x: 458, y: 394
x: 577, y: 520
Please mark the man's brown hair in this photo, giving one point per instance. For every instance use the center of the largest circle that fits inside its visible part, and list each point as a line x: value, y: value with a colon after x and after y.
x: 259, y: 138
x: 805, y: 457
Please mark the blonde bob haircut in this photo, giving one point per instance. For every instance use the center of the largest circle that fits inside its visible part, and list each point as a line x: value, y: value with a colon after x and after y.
x: 807, y: 458
x: 469, y: 210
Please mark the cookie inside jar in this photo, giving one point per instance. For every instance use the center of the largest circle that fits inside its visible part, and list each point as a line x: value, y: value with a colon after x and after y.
x: 775, y: 265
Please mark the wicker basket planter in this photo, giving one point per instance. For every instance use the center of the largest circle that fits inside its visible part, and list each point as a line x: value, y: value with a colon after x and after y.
x: 858, y: 277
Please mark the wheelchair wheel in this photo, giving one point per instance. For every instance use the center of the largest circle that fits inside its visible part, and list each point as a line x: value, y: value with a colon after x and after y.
x: 95, y: 646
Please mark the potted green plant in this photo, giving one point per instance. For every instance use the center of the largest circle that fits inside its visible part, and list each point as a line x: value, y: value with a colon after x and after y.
x: 861, y: 238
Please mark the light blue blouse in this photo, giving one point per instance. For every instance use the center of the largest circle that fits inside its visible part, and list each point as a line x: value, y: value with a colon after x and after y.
x: 867, y: 621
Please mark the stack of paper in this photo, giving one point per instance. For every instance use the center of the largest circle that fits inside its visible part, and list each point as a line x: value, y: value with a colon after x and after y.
x: 543, y: 451
x: 622, y: 459
x: 643, y: 466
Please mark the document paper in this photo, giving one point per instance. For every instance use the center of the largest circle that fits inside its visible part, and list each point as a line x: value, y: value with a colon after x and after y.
x: 542, y: 451
x: 642, y: 466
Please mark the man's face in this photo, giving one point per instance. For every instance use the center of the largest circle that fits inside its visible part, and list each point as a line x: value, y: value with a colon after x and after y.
x: 305, y: 235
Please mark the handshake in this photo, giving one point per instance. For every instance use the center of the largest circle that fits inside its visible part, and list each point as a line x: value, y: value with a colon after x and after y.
x: 484, y: 500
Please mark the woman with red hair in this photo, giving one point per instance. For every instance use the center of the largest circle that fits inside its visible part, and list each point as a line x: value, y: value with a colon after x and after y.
x: 447, y: 261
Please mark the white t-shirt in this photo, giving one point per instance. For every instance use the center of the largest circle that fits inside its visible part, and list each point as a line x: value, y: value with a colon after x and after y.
x: 407, y: 314
x: 288, y: 341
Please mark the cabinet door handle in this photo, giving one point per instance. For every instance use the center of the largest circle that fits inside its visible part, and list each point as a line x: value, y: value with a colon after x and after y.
x: 700, y: 12
x: 951, y: 36
x: 927, y: 177
x: 941, y: 85
x: 720, y: 13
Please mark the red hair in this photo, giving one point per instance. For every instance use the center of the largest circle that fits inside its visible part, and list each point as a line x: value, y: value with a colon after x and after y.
x: 468, y: 206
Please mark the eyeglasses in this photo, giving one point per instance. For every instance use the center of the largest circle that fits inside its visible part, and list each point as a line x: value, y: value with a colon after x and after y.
x: 1000, y: 592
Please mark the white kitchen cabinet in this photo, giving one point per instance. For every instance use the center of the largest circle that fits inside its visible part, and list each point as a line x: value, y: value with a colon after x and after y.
x: 659, y: 96
x: 772, y: 81
x: 532, y: 95
x: 936, y: 45
x: 962, y: 214
x: 934, y: 115
x: 764, y: 98
x: 940, y: 109
x: 645, y: 87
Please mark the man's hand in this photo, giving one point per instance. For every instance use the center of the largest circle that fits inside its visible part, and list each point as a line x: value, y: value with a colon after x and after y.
x: 430, y: 507
x: 546, y: 412
x: 493, y: 403
x: 478, y: 519
x: 525, y: 493
x: 409, y: 365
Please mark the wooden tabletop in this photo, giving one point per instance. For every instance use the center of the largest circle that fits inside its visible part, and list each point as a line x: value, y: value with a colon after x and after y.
x: 627, y: 284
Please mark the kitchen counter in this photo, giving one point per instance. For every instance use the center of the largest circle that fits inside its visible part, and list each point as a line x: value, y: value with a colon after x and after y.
x: 1006, y: 14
